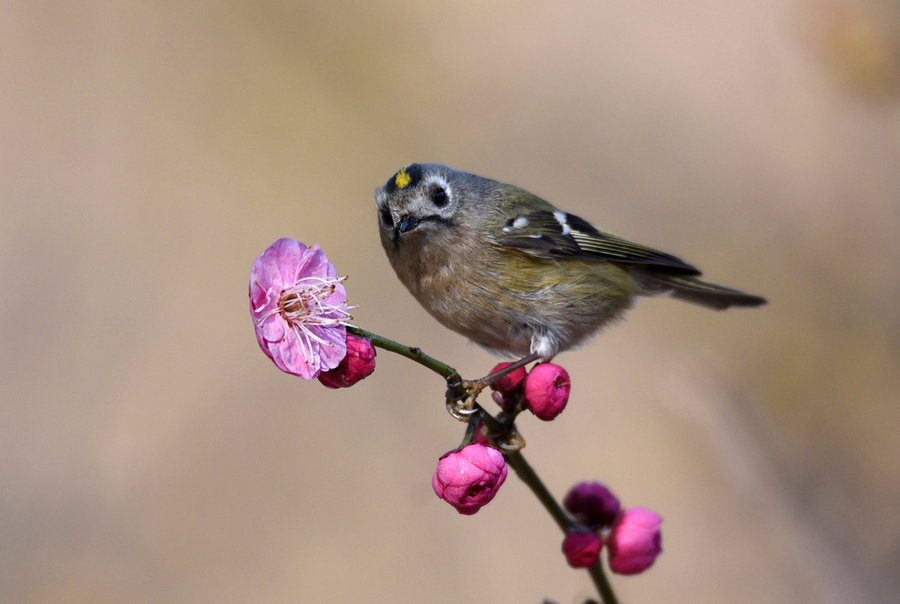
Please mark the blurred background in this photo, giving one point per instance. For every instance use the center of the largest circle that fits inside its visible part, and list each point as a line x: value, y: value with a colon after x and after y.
x: 149, y: 151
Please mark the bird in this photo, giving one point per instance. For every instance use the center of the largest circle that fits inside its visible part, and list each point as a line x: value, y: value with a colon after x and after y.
x: 515, y: 274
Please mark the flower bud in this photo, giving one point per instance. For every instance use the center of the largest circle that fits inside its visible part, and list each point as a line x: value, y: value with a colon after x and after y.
x: 592, y: 504
x: 502, y: 401
x: 469, y: 478
x: 547, y: 390
x: 511, y: 381
x: 582, y: 548
x: 357, y: 365
x: 635, y: 541
x: 481, y: 435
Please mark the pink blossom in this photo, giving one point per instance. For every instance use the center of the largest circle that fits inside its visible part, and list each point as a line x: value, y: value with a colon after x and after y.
x: 582, y: 548
x: 592, y: 504
x: 503, y: 401
x: 299, y: 308
x: 469, y: 478
x: 635, y: 541
x: 510, y: 382
x: 357, y: 365
x: 481, y: 435
x: 547, y: 390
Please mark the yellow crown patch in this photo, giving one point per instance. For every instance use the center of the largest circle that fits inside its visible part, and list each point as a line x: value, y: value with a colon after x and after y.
x: 403, y: 178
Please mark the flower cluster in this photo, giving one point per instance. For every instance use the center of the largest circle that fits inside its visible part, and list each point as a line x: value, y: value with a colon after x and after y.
x: 632, y: 536
x: 301, y: 318
x: 469, y: 478
x: 544, y: 390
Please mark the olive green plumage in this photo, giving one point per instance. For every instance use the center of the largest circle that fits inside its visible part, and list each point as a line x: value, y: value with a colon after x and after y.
x: 513, y: 273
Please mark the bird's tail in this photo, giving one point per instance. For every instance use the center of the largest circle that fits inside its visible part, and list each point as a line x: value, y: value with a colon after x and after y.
x: 692, y: 289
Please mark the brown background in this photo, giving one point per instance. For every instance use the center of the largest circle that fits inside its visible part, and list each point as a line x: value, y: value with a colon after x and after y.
x: 150, y: 150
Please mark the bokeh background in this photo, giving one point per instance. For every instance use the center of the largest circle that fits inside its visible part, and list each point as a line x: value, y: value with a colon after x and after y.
x: 149, y: 151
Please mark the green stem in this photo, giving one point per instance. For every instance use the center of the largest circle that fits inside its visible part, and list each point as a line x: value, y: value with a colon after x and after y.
x: 602, y: 583
x: 565, y: 522
x: 527, y: 474
x: 410, y: 352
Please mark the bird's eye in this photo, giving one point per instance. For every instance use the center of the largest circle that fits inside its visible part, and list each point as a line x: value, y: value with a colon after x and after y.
x: 386, y: 220
x: 439, y: 197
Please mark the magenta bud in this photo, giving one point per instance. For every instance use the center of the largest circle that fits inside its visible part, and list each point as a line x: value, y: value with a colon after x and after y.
x: 635, y: 541
x: 547, y: 390
x: 582, y: 548
x: 592, y: 504
x: 357, y: 365
x: 469, y: 478
x: 481, y: 436
x: 501, y: 401
x: 511, y: 381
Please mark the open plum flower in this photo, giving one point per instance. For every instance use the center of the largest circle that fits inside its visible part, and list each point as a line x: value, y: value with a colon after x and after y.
x: 299, y: 308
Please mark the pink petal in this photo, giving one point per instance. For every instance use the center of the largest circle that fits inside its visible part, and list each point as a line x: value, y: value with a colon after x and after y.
x: 260, y: 300
x: 337, y: 298
x: 269, y: 268
x: 331, y: 354
x: 316, y: 264
x: 291, y: 255
x: 273, y: 329
x: 289, y: 356
x: 264, y: 346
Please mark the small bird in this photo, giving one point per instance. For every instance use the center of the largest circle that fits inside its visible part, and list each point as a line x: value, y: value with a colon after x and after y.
x: 513, y: 273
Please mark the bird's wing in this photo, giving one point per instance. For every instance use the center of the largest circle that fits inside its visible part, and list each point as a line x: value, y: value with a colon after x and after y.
x: 556, y: 234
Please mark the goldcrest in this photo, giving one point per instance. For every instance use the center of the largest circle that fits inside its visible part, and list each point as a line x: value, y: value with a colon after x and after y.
x: 513, y: 273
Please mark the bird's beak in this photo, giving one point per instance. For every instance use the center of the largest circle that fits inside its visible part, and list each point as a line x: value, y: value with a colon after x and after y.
x: 407, y: 223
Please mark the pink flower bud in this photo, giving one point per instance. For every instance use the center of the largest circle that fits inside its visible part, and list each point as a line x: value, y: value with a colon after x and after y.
x: 481, y: 437
x: 502, y: 401
x: 511, y: 381
x: 592, y: 504
x: 547, y: 390
x: 470, y: 477
x: 582, y: 548
x: 635, y: 541
x: 357, y: 365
